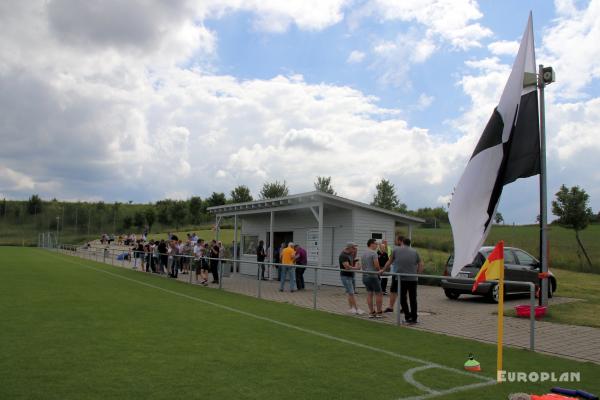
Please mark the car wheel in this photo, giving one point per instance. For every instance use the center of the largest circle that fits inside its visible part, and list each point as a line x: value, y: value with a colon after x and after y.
x: 494, y: 294
x: 451, y: 294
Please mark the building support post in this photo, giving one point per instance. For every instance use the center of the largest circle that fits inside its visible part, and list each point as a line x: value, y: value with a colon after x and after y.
x: 235, y: 243
x: 320, y: 250
x: 271, y: 240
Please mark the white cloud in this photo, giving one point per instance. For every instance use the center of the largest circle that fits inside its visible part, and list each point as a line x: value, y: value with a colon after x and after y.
x: 127, y: 132
x: 394, y: 59
x: 504, y: 47
x: 276, y: 16
x: 450, y: 20
x: 444, y: 200
x: 424, y: 101
x: 437, y: 23
x: 355, y: 57
x: 570, y: 45
x: 11, y: 180
x: 575, y: 128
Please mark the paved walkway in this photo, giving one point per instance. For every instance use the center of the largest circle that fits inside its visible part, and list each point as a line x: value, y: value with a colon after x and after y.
x: 469, y: 317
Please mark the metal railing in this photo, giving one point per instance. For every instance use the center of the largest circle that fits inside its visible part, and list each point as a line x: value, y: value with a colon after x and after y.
x: 101, y: 253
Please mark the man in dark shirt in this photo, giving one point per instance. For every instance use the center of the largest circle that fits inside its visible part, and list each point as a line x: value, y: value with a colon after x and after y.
x: 261, y: 255
x: 347, y: 268
x: 214, y: 261
x: 301, y: 259
x: 407, y: 261
x: 163, y: 256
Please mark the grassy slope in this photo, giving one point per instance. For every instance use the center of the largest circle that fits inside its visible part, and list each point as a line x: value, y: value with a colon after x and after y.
x: 563, y: 247
x: 79, y: 334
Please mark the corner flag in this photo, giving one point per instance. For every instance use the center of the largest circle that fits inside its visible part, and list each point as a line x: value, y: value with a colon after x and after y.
x: 508, y: 149
x: 491, y: 269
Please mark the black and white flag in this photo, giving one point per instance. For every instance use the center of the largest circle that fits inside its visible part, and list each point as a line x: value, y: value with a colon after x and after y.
x: 508, y: 149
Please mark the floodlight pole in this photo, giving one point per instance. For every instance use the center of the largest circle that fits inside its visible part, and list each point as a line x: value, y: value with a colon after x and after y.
x: 543, y: 192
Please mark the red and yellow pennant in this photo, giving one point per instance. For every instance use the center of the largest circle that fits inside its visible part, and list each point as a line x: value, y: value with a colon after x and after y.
x: 492, y: 267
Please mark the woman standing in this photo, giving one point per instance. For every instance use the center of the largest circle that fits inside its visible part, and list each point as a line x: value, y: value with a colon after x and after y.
x: 382, y: 255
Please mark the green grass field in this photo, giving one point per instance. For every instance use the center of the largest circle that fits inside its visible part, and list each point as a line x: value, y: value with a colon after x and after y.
x: 76, y: 329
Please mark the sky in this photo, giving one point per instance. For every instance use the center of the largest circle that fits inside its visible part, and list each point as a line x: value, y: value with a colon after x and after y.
x: 143, y: 100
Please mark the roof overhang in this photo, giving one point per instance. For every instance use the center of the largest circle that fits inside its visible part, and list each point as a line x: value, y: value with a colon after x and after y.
x: 301, y: 201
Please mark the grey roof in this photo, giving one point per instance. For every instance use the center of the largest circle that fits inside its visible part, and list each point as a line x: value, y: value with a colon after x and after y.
x: 303, y: 200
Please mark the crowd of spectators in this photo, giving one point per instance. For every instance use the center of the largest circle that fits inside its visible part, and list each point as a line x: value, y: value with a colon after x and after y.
x: 174, y: 256
x: 194, y: 255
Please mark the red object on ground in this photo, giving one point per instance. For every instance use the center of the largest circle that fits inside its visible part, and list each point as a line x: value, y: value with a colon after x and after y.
x: 524, y: 310
x: 551, y: 396
x: 475, y: 368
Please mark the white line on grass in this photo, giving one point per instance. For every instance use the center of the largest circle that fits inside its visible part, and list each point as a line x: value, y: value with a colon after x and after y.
x: 427, y: 364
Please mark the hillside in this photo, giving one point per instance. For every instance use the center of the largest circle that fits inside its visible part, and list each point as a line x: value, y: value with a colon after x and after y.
x: 564, y: 252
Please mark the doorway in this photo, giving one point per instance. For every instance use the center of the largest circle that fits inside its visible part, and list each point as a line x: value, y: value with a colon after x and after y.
x: 278, y: 239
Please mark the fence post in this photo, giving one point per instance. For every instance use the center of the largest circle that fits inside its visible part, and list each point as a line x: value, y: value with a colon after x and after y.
x: 221, y: 274
x: 532, y: 317
x: 398, y: 307
x: 315, y: 288
x: 259, y: 279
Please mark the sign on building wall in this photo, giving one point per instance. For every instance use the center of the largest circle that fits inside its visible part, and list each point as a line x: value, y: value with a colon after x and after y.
x: 312, y: 246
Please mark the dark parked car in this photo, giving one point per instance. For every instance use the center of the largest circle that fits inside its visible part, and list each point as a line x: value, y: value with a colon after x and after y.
x: 519, y: 266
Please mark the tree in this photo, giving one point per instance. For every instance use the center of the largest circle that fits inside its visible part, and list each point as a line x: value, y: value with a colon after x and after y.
x: 3, y: 207
x: 115, y: 208
x: 195, y: 208
x: 432, y: 216
x: 127, y: 222
x: 386, y: 197
x: 323, y: 184
x: 178, y: 212
x: 163, y: 213
x: 273, y: 190
x: 241, y: 194
x: 499, y: 219
x: 139, y: 219
x: 571, y: 208
x: 216, y: 199
x: 34, y: 205
x: 150, y: 216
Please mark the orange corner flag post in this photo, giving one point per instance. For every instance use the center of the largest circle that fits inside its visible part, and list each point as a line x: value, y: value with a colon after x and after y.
x: 493, y: 269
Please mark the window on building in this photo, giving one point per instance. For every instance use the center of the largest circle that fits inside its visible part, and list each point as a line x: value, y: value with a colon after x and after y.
x: 248, y: 244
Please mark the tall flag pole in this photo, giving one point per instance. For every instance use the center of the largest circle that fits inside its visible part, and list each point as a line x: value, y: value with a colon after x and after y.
x: 543, y: 189
x: 508, y: 149
x: 493, y: 269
